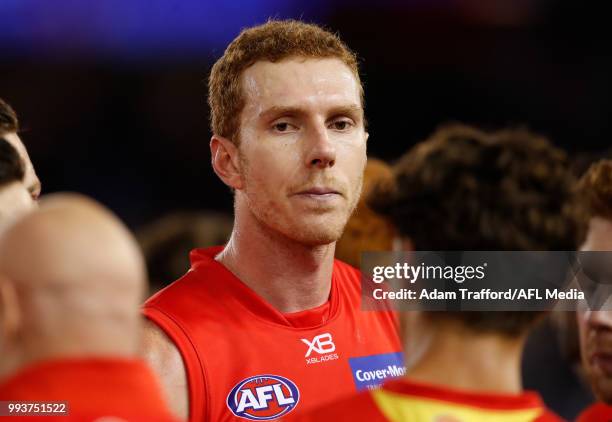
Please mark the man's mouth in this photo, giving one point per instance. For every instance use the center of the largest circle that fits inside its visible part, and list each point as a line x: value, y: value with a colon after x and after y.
x: 319, y: 195
x: 320, y: 191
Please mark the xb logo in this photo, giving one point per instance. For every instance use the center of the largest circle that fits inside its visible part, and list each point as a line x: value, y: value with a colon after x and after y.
x: 321, y: 344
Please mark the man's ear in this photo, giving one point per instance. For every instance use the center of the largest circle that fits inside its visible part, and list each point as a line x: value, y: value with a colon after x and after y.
x: 225, y: 161
x: 10, y: 315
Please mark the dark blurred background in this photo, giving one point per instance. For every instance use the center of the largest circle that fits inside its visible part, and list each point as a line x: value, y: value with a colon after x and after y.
x: 111, y: 93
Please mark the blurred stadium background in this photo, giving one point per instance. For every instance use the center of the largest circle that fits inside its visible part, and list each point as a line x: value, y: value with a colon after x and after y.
x: 111, y: 94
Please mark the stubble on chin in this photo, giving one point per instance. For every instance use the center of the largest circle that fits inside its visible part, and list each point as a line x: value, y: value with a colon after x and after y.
x: 321, y: 234
x: 320, y: 230
x: 326, y: 232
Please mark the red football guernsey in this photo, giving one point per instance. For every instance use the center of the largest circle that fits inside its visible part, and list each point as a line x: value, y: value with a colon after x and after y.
x: 598, y: 412
x: 91, y: 389
x: 246, y: 360
x: 406, y: 401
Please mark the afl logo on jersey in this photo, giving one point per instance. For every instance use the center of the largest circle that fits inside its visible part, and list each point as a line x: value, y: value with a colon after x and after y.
x: 263, y: 397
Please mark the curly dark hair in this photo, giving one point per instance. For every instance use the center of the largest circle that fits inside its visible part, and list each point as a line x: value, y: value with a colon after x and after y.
x: 505, y: 190
x: 466, y: 189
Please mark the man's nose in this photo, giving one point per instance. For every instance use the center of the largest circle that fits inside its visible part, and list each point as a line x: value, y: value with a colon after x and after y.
x: 321, y: 150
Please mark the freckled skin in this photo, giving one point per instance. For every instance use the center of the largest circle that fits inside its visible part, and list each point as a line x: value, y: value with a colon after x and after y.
x: 285, y: 153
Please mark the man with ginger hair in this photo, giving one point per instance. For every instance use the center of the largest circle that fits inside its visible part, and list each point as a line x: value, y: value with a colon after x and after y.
x: 71, y: 280
x: 595, y: 326
x: 255, y: 328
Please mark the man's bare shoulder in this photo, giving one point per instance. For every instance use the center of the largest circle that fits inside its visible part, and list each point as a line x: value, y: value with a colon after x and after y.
x: 162, y: 355
x: 157, y: 346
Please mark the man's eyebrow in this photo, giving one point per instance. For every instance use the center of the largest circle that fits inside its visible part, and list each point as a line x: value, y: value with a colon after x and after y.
x: 281, y: 111
x: 349, y: 109
x: 296, y: 111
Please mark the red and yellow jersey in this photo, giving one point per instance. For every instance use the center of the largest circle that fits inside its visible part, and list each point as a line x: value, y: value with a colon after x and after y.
x: 599, y: 412
x: 90, y: 389
x: 405, y: 401
x: 246, y: 360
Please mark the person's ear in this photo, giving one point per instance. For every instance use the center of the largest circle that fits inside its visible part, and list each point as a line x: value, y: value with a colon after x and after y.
x: 10, y: 314
x: 226, y: 162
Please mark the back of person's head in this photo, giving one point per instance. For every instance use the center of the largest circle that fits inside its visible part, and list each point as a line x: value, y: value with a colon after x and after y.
x: 466, y: 189
x: 71, y: 281
x: 14, y: 196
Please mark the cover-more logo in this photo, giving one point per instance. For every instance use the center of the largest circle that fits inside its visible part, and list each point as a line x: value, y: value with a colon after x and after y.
x: 263, y: 397
x: 322, y: 344
x: 371, y: 371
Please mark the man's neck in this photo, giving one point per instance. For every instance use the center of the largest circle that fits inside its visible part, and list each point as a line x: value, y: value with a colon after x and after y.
x: 470, y: 362
x: 290, y: 276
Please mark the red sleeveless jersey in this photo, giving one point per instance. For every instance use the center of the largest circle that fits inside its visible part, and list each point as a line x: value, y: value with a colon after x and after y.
x: 246, y: 360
